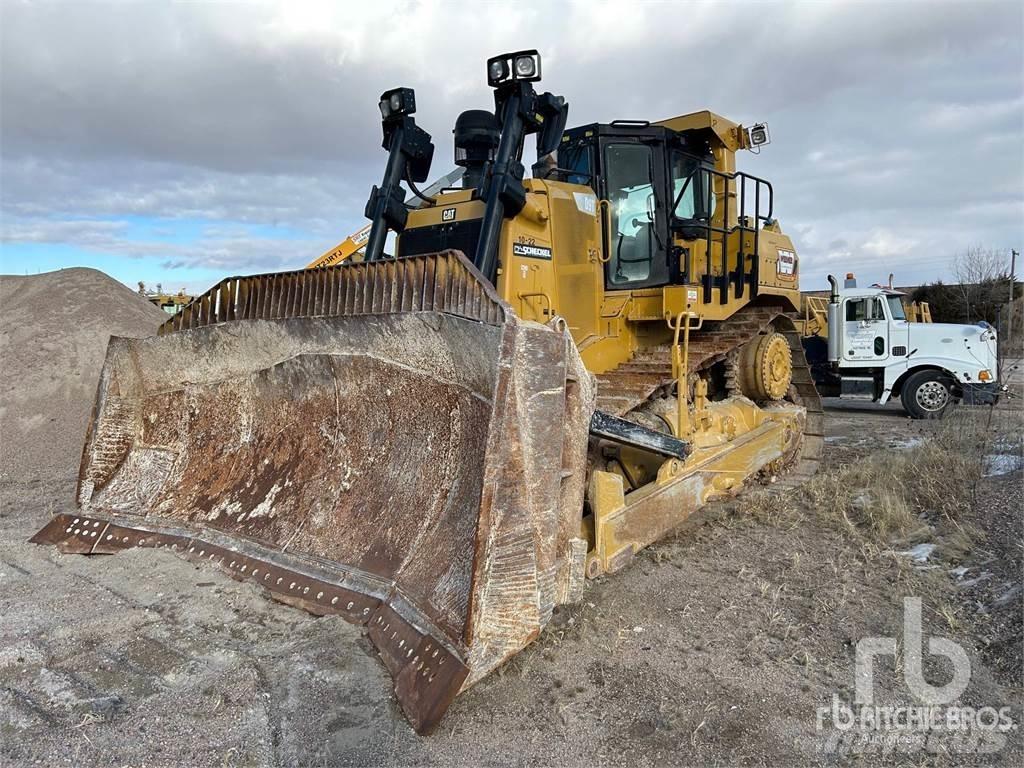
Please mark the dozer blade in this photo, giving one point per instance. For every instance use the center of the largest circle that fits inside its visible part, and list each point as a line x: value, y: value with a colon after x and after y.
x: 384, y: 441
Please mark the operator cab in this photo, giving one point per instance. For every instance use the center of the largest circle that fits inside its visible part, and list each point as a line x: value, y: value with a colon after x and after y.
x: 657, y: 186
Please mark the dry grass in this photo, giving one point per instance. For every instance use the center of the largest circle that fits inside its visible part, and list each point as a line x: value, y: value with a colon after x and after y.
x: 920, y: 493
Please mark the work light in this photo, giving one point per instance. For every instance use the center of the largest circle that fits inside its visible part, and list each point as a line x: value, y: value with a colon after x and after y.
x: 497, y: 70
x: 525, y: 66
x: 521, y: 65
x: 758, y: 134
x: 397, y: 102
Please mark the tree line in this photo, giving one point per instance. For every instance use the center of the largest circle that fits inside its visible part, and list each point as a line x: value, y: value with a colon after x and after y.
x: 981, y: 290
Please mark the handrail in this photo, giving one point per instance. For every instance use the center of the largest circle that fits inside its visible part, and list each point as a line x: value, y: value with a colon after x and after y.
x: 681, y: 364
x: 919, y: 312
x: 540, y: 295
x: 606, y: 224
x: 710, y: 229
x: 815, y: 314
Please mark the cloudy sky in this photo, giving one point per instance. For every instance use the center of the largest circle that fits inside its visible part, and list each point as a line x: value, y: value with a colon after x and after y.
x: 178, y: 143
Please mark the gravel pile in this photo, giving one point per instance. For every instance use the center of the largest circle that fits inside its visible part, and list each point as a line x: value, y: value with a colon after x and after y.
x: 53, y: 337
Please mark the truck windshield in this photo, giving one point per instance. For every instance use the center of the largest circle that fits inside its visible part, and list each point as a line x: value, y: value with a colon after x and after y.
x: 896, y: 308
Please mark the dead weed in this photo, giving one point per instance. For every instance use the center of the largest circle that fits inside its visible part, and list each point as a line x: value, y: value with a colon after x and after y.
x: 899, y: 497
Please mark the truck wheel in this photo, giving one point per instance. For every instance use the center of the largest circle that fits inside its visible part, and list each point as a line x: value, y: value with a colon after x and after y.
x: 926, y: 395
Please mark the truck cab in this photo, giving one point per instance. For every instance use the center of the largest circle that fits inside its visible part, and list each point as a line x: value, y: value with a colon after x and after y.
x: 860, y: 343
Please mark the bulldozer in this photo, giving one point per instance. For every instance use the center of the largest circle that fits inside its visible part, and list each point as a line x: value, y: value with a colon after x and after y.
x: 545, y: 375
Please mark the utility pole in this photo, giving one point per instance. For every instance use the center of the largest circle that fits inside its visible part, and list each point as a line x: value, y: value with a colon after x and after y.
x: 1010, y: 307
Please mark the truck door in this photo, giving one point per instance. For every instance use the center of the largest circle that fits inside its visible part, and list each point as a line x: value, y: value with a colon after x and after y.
x: 865, y: 330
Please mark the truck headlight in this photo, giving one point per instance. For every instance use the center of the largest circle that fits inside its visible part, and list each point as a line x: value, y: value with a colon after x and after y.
x: 984, y: 376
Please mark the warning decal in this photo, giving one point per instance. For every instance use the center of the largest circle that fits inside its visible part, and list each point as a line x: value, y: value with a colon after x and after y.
x: 786, y: 265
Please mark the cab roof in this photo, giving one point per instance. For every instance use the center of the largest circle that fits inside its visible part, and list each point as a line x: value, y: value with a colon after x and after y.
x: 731, y: 135
x: 692, y: 140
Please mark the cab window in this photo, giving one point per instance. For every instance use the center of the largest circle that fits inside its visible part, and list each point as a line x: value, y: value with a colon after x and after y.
x: 689, y: 188
x: 864, y: 309
x: 630, y: 192
x: 577, y: 164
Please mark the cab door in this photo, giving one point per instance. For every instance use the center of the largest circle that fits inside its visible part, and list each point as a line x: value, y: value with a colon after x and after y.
x: 865, y: 330
x: 633, y: 182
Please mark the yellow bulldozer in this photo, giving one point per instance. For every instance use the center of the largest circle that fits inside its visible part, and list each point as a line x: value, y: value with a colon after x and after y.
x: 443, y: 443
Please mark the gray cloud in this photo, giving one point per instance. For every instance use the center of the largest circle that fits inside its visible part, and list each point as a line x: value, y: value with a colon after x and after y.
x: 897, y: 128
x: 38, y: 187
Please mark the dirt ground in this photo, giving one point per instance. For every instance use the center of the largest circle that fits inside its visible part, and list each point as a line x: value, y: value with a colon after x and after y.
x: 718, y: 646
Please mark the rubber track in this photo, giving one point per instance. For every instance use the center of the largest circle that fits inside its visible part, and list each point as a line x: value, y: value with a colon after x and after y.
x: 649, y: 372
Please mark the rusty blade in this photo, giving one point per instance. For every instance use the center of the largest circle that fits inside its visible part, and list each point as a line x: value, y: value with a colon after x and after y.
x: 424, y: 463
x: 428, y: 673
x: 356, y: 443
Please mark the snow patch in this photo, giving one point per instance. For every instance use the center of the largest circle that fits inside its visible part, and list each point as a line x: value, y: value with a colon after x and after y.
x: 1002, y: 464
x: 919, y: 553
x: 905, y: 444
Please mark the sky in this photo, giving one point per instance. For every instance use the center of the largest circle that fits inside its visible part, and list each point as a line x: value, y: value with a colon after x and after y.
x: 182, y: 143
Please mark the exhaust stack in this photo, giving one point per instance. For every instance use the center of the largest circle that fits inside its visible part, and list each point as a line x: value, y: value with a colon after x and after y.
x: 835, y: 320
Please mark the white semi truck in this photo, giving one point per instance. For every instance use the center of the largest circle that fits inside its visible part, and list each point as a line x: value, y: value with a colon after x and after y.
x: 859, y: 342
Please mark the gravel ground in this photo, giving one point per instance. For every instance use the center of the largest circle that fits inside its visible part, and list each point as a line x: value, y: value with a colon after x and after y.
x: 718, y: 646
